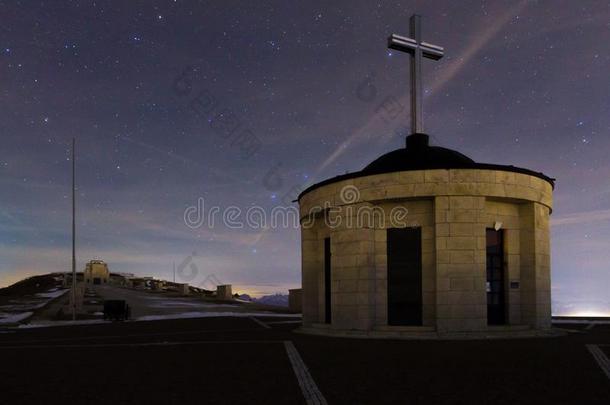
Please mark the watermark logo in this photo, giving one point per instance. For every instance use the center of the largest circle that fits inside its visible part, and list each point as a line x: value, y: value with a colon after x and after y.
x: 188, y: 271
x: 349, y: 194
x: 350, y: 213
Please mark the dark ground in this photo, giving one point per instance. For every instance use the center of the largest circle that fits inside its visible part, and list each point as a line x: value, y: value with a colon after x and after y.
x: 235, y: 360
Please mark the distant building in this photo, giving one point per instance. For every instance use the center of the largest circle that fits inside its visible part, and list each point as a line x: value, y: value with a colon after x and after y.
x: 96, y: 272
x: 224, y: 292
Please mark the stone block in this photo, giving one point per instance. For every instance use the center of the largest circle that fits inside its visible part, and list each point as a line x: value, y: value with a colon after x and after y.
x: 442, y: 229
x: 347, y: 286
x: 462, y: 256
x: 427, y: 246
x: 462, y: 189
x: 457, y: 270
x: 436, y: 176
x: 428, y: 260
x: 427, y: 232
x: 441, y: 203
x: 485, y: 176
x: 426, y: 189
x: 443, y: 256
x: 440, y: 216
x: 441, y: 243
x: 411, y: 176
x: 466, y: 298
x: 461, y: 229
x: 461, y: 284
x: 399, y: 191
x: 462, y: 175
x: 505, y: 177
x: 443, y: 284
x: 461, y: 243
x: 480, y: 284
x: 461, y: 202
x: 462, y: 215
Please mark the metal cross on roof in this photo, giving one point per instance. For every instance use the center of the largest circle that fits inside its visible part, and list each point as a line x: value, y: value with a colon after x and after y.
x: 418, y: 49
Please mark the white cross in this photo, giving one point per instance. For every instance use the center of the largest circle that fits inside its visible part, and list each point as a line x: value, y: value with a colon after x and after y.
x: 417, y: 49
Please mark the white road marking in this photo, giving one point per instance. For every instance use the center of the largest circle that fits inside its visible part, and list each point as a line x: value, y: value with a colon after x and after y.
x: 310, y: 390
x: 261, y: 323
x: 601, y: 358
x: 590, y: 326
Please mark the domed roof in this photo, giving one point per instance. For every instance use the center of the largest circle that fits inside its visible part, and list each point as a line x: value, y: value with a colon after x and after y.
x: 419, y: 155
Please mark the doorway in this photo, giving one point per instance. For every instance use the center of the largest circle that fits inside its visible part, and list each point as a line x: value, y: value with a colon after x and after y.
x: 496, y: 307
x: 404, y: 276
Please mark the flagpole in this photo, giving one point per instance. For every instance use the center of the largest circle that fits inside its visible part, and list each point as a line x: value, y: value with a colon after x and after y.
x: 73, y: 229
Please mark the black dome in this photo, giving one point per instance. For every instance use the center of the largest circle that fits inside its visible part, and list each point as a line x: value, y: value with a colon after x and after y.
x: 419, y: 155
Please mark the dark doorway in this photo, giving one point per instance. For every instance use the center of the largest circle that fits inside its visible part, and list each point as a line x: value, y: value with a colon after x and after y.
x: 496, y: 311
x: 96, y: 280
x: 404, y: 276
x: 327, y: 281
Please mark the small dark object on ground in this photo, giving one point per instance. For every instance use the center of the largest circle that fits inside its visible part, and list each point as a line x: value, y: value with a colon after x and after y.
x: 116, y: 310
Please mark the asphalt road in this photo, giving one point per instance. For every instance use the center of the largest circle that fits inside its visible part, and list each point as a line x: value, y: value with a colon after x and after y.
x: 238, y: 360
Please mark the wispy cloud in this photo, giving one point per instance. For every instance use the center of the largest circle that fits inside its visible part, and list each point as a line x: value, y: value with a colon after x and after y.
x: 581, y: 217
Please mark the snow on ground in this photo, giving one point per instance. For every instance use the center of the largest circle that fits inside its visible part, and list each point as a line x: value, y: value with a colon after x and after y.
x: 14, y: 318
x: 52, y: 293
x: 21, y: 309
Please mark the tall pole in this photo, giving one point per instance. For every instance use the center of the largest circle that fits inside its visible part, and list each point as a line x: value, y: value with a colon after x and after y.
x: 73, y: 229
x: 174, y: 272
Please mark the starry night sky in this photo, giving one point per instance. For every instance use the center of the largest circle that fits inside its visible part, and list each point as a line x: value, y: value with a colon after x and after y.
x: 524, y: 83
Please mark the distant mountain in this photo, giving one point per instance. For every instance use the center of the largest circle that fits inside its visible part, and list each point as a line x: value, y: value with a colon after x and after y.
x: 278, y: 300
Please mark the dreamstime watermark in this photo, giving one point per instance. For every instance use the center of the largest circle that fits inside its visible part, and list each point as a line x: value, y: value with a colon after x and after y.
x: 349, y: 212
x: 188, y: 271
